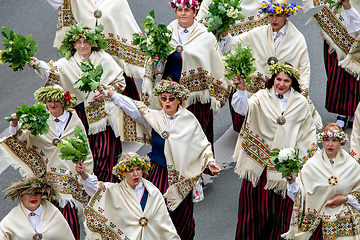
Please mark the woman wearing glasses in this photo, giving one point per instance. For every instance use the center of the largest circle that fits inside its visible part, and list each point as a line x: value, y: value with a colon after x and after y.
x: 180, y: 152
x: 98, y: 114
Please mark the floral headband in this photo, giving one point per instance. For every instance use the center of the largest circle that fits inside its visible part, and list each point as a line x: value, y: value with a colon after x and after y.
x: 166, y: 86
x: 335, y: 134
x: 185, y: 3
x: 125, y: 165
x: 274, y: 7
x: 55, y: 93
x: 274, y: 69
x: 94, y: 36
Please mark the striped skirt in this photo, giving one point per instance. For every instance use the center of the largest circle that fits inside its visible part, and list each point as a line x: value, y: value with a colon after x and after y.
x: 342, y: 90
x: 105, y: 148
x: 263, y: 214
x: 183, y: 215
x: 131, y: 89
x: 71, y: 216
x: 237, y: 119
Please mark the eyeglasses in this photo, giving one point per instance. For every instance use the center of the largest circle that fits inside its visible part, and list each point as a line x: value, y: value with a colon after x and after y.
x: 79, y: 43
x: 171, y: 99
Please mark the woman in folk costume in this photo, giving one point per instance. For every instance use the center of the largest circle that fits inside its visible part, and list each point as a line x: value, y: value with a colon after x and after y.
x: 276, y: 117
x: 119, y: 25
x: 140, y: 205
x: 98, y: 114
x: 180, y: 150
x: 327, y: 192
x: 341, y: 56
x: 39, y: 156
x: 279, y: 41
x: 196, y: 64
x: 34, y: 217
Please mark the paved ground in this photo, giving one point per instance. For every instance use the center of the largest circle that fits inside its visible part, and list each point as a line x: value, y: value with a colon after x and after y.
x: 216, y: 216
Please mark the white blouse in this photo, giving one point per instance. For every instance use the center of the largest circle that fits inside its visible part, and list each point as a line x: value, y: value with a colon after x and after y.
x: 352, y: 22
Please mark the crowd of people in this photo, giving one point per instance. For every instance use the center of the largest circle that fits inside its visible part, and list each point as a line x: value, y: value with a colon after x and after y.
x: 126, y: 196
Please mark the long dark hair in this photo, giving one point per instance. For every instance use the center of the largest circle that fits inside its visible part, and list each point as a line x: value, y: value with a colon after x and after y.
x: 294, y: 83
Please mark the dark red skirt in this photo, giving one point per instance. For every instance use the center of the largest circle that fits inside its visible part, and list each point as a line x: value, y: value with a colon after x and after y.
x: 183, y: 215
x: 105, y: 148
x: 263, y: 214
x: 342, y: 90
x: 237, y: 119
x: 131, y: 89
x: 71, y: 216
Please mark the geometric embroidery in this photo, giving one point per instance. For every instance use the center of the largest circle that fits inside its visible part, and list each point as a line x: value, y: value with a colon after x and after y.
x: 242, y: 27
x: 96, y: 112
x: 258, y: 82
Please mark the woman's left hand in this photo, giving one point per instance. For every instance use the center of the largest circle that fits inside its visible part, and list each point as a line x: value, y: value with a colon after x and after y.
x: 337, y: 200
x: 214, y: 168
x: 99, y: 96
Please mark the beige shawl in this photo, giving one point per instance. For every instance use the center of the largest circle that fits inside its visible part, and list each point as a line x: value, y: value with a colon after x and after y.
x: 99, y: 114
x: 36, y: 155
x: 355, y: 136
x: 202, y: 69
x: 262, y: 133
x: 333, y: 31
x: 119, y: 24
x: 114, y: 212
x: 16, y: 225
x: 249, y: 7
x: 342, y: 222
x: 292, y: 49
x: 187, y: 151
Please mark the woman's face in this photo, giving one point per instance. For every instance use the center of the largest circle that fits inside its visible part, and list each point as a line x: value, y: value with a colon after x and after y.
x: 83, y: 47
x: 133, y: 176
x: 31, y: 201
x: 277, y: 21
x: 331, y: 146
x: 55, y: 107
x: 169, y: 103
x: 185, y: 16
x: 282, y: 83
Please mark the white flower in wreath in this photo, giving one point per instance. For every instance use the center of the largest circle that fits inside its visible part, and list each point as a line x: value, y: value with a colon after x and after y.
x: 285, y: 154
x: 149, y: 41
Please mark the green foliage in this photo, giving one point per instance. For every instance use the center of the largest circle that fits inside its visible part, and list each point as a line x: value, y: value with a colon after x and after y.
x: 239, y: 61
x: 33, y: 118
x: 75, y: 149
x: 336, y: 5
x: 17, y: 49
x: 286, y: 163
x: 156, y: 39
x: 90, y: 78
x: 223, y: 14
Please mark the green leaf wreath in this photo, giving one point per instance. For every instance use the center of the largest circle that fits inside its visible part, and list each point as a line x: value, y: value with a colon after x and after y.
x: 17, y: 50
x: 76, y: 148
x: 222, y: 15
x: 90, y: 78
x: 286, y: 161
x: 156, y: 40
x: 33, y: 118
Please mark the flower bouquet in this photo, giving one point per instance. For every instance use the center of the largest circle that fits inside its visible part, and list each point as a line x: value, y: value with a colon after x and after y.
x: 90, y: 78
x: 18, y: 50
x: 286, y: 160
x: 155, y: 42
x: 33, y: 118
x: 223, y: 14
x: 76, y: 148
x: 239, y: 61
x: 336, y: 5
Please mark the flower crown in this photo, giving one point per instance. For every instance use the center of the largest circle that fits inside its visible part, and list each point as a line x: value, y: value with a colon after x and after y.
x: 166, y: 86
x: 274, y: 69
x: 125, y: 165
x: 274, y: 7
x: 30, y: 185
x: 335, y: 134
x: 94, y: 36
x: 185, y: 3
x: 55, y: 93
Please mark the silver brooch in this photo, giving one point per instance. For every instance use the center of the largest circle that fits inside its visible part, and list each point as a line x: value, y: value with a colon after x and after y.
x: 281, y: 120
x: 165, y: 134
x: 179, y: 48
x: 272, y: 60
x: 55, y: 141
x: 37, y: 236
x: 97, y: 14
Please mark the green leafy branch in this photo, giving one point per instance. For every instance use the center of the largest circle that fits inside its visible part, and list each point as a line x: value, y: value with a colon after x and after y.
x: 90, y: 78
x: 286, y: 161
x: 336, y: 5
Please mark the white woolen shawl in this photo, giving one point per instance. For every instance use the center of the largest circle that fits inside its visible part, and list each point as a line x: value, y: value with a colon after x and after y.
x: 261, y: 129
x: 16, y: 225
x: 118, y: 203
x: 315, y: 192
x: 202, y: 69
x: 36, y: 155
x: 187, y: 151
x: 119, y: 24
x: 99, y: 114
x: 355, y: 136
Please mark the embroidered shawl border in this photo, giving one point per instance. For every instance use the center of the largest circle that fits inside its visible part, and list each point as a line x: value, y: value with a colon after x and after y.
x: 96, y: 222
x: 64, y: 15
x: 130, y: 133
x: 242, y: 26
